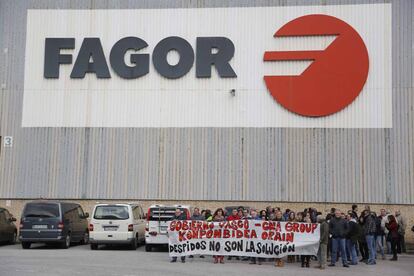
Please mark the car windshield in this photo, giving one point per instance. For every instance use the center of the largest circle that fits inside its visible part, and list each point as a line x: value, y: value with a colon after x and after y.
x: 43, y: 210
x: 163, y: 213
x: 111, y: 212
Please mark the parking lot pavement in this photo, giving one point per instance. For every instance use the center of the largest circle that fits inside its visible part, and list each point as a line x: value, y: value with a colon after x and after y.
x: 80, y: 260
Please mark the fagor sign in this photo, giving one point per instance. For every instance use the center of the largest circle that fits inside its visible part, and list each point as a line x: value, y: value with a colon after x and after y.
x: 325, y: 67
x: 91, y: 58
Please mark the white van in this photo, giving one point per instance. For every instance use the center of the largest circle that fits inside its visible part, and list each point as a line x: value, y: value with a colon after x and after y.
x: 117, y: 224
x: 158, y: 217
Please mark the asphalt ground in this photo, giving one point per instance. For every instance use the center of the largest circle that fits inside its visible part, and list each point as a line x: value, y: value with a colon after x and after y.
x: 119, y: 261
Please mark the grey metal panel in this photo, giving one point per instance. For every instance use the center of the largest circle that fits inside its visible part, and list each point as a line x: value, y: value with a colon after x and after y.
x: 342, y: 165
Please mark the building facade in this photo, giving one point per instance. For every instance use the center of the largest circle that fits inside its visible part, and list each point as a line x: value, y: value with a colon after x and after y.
x: 364, y: 157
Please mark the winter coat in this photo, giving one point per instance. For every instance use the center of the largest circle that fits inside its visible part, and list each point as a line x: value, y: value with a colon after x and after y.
x: 370, y: 227
x: 379, y: 230
x: 353, y: 231
x: 402, y: 223
x: 219, y: 218
x: 393, y: 230
x: 197, y: 217
x: 324, y: 232
x: 180, y: 217
x: 338, y: 227
x: 231, y: 217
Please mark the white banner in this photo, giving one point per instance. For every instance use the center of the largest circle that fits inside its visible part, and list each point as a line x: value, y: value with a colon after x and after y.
x: 253, y: 238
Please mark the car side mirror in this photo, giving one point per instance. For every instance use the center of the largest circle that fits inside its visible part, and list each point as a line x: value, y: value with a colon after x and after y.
x: 86, y: 215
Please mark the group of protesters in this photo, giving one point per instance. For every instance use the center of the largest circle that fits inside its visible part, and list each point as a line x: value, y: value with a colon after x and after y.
x: 343, y: 235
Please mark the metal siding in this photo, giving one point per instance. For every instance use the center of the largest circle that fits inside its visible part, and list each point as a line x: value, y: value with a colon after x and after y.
x: 275, y: 164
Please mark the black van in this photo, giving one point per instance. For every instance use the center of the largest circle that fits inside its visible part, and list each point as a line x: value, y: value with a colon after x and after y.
x: 8, y: 231
x: 53, y: 222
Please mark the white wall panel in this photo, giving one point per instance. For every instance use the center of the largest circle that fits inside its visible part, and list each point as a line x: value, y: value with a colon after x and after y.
x: 155, y: 101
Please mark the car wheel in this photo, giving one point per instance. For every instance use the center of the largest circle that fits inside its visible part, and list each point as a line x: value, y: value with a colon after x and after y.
x: 26, y: 245
x: 14, y: 238
x: 85, y: 239
x: 66, y: 243
x: 148, y: 248
x: 134, y: 244
x: 94, y: 246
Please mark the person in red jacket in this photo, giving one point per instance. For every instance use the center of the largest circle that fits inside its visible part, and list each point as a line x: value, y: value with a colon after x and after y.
x: 218, y: 216
x: 392, y: 227
x: 234, y: 216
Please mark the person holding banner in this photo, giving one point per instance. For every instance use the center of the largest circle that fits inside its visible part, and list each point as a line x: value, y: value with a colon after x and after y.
x: 279, y: 217
x: 254, y: 216
x: 291, y: 218
x: 198, y: 217
x: 235, y: 215
x: 178, y: 215
x: 305, y: 259
x: 338, y: 228
x: 217, y: 217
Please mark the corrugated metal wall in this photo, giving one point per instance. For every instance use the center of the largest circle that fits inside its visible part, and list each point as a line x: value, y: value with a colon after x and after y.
x: 343, y: 165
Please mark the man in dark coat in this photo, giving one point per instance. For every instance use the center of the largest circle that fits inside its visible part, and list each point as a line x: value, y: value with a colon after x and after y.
x: 338, y: 228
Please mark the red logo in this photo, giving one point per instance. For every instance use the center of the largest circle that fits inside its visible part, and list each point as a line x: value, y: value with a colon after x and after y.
x: 335, y: 77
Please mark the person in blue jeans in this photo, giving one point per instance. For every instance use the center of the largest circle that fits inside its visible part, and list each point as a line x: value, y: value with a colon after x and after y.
x: 338, y: 228
x: 369, y: 232
x: 352, y: 238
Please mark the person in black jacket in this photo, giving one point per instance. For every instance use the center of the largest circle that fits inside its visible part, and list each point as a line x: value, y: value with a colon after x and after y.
x: 363, y: 247
x: 338, y: 228
x: 380, y: 234
x: 352, y: 238
x: 370, y: 229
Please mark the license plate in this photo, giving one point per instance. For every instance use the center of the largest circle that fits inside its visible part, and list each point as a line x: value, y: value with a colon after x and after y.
x: 39, y: 226
x: 110, y: 228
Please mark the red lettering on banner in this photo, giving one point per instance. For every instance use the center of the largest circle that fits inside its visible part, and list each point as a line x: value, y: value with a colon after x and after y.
x: 217, y: 233
x: 181, y: 236
x: 172, y: 226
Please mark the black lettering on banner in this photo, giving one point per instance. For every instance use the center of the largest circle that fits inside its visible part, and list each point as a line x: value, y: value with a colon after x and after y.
x: 214, y: 246
x: 53, y: 57
x: 227, y: 246
x: 141, y: 61
x: 231, y: 246
x: 91, y: 49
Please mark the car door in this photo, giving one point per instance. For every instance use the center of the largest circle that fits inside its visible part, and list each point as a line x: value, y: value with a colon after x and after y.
x: 82, y: 225
x: 10, y: 227
x: 141, y: 223
x: 76, y: 223
x: 135, y: 218
x: 71, y: 221
x: 3, y: 235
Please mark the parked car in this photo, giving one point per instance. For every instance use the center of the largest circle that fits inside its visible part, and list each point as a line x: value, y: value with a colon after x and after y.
x: 53, y: 222
x: 117, y: 224
x: 156, y: 229
x: 8, y: 230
